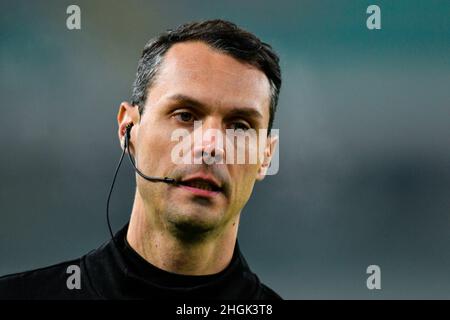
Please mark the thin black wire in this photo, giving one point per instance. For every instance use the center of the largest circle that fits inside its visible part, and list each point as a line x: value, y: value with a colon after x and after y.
x: 110, y: 192
x: 153, y: 179
x: 126, y: 147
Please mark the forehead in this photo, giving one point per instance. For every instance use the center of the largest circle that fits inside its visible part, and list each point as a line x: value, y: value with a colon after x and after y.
x: 212, y: 77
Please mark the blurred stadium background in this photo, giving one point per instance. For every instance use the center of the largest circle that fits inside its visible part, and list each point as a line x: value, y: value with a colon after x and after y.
x: 364, y: 119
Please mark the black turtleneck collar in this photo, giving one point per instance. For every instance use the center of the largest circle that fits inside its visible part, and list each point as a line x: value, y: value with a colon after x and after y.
x: 117, y: 271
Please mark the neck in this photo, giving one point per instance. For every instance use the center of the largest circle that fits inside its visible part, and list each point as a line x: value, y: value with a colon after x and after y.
x: 163, y: 249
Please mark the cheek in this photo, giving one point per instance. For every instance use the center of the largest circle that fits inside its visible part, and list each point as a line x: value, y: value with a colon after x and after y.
x: 154, y: 152
x: 244, y: 182
x: 153, y: 160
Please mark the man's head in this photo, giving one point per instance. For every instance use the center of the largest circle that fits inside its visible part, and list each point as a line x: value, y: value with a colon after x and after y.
x: 212, y: 72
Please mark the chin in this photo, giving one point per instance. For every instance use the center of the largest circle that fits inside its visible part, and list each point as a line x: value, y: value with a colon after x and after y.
x: 193, y: 222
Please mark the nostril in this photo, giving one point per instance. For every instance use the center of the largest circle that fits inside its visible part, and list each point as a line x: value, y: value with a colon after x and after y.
x: 211, y: 153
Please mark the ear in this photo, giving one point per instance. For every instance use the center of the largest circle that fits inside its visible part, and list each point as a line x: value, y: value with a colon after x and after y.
x: 127, y: 114
x: 269, y: 150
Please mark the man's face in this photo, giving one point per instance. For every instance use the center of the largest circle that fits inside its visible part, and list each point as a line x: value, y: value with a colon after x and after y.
x: 198, y: 83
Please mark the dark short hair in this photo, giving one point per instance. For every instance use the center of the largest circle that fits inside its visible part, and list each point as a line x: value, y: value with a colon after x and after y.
x: 219, y: 34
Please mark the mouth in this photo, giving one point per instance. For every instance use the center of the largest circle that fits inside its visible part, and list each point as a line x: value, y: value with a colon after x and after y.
x: 201, y: 187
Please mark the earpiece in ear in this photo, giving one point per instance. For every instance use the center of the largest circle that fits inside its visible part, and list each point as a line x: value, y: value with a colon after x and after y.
x: 127, y: 135
x: 128, y: 129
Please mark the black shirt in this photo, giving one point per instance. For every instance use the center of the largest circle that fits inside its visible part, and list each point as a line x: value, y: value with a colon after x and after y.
x: 116, y: 271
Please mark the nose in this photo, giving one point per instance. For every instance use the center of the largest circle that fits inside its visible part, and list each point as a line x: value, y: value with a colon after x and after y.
x: 208, y: 145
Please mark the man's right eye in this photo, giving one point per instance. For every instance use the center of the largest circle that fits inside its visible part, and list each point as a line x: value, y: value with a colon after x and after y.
x: 184, y: 116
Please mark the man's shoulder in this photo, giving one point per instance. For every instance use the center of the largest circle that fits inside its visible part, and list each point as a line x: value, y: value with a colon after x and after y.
x: 267, y: 293
x: 63, y: 280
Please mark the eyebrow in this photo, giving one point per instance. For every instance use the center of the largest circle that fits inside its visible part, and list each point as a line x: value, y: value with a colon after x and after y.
x: 235, y: 112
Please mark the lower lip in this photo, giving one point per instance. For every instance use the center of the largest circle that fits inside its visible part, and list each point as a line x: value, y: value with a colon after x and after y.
x: 200, y: 192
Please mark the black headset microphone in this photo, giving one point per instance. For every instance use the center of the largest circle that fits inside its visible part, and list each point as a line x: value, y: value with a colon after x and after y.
x: 126, y: 147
